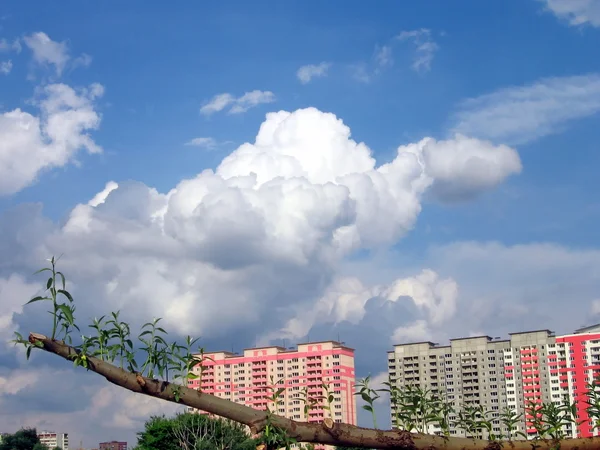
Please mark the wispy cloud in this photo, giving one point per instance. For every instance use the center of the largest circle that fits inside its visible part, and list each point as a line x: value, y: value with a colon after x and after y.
x: 202, y: 142
x: 238, y: 105
x: 6, y: 67
x: 360, y: 72
x: 575, y: 12
x: 82, y: 61
x: 6, y: 46
x: 217, y: 103
x: 306, y: 73
x: 520, y: 114
x: 250, y: 100
x: 48, y: 52
x: 424, y: 45
x: 383, y: 56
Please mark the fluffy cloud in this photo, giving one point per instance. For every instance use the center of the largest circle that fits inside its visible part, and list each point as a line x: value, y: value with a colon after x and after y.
x: 14, y: 291
x: 235, y: 252
x: 46, y: 51
x: 463, y: 167
x: 275, y: 215
x: 425, y: 48
x: 306, y: 73
x: 30, y: 144
x: 6, y: 67
x: 510, y: 288
x: 524, y: 113
x: 576, y: 12
x: 346, y: 299
x: 238, y: 105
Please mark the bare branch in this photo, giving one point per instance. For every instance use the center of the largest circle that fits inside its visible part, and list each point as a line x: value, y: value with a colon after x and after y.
x: 328, y: 432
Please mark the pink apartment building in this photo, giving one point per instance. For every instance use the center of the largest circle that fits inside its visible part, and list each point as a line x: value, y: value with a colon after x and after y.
x: 574, y: 364
x: 245, y: 378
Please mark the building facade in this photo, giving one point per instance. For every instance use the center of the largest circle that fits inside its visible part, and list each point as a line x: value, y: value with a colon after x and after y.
x: 113, y: 445
x: 52, y: 440
x: 301, y: 371
x: 529, y: 368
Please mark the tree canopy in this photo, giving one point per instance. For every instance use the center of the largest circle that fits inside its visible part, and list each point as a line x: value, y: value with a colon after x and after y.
x: 24, y: 439
x: 193, y: 432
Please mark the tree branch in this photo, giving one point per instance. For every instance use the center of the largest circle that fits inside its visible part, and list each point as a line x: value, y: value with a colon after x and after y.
x: 328, y: 432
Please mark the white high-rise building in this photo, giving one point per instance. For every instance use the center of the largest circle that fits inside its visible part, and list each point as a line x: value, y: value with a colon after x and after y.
x: 52, y: 440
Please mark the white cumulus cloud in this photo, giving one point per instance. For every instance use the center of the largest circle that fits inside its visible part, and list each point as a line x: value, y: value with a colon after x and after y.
x: 306, y: 73
x: 521, y: 114
x: 346, y: 299
x: 269, y: 225
x: 575, y: 12
x: 30, y: 144
x: 463, y: 167
x: 15, y: 291
x: 417, y: 331
x: 238, y: 105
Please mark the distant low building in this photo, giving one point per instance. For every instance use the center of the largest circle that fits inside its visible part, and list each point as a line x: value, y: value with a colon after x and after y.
x: 113, y: 445
x: 52, y: 440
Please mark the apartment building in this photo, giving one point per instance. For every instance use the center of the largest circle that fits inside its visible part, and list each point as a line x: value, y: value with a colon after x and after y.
x: 52, y: 440
x: 529, y: 367
x: 113, y: 445
x: 575, y: 363
x: 245, y: 378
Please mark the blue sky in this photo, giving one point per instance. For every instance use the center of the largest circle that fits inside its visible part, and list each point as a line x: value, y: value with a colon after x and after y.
x: 498, y: 221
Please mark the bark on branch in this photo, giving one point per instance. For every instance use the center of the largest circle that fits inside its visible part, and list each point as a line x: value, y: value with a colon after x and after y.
x: 328, y: 432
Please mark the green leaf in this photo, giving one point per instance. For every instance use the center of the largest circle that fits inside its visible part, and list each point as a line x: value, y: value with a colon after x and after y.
x: 37, y: 299
x: 49, y: 283
x: 42, y: 270
x: 66, y: 311
x: 63, y: 279
x: 66, y: 294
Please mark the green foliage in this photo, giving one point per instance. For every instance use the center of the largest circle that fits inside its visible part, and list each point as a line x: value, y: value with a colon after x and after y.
x: 193, y: 432
x: 369, y: 395
x: 549, y: 419
x: 111, y: 338
x: 24, y: 439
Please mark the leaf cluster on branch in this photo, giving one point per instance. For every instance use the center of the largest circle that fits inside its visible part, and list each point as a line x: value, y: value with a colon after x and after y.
x: 166, y: 368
